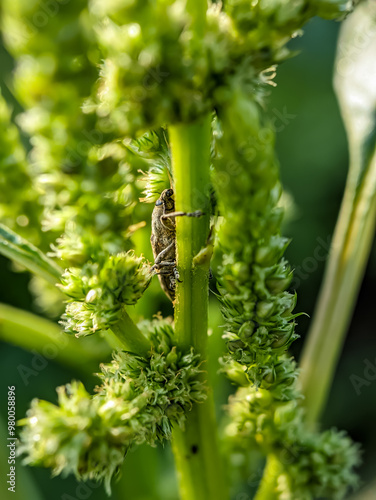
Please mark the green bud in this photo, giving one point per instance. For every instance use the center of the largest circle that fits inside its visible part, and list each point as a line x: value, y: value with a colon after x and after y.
x: 246, y: 330
x: 139, y: 400
x: 236, y: 373
x: 277, y: 284
x: 264, y: 309
x: 98, y: 292
x: 270, y: 254
x: 283, y: 336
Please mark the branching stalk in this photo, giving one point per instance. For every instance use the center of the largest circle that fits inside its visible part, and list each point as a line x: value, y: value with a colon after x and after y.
x: 268, y: 486
x: 129, y: 337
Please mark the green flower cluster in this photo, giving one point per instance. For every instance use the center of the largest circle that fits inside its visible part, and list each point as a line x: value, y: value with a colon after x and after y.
x: 153, y: 148
x: 278, y: 20
x: 149, y: 75
x: 140, y: 400
x: 56, y: 68
x: 157, y: 70
x: 100, y: 289
x: 19, y: 207
x: 84, y: 180
x: 253, y: 275
x: 313, y: 465
x: 253, y: 281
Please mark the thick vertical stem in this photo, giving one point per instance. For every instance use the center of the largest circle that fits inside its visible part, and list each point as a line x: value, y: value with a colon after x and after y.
x: 196, y: 451
x: 190, y: 155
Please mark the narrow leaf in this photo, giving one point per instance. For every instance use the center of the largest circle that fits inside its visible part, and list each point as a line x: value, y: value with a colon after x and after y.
x: 34, y: 333
x: 24, y: 253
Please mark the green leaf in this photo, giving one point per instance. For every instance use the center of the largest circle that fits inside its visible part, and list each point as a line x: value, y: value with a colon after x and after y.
x: 37, y: 334
x: 355, y: 82
x: 24, y: 253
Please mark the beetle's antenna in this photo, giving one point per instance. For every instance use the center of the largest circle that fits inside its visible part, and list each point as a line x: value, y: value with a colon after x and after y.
x: 165, y: 138
x: 169, y: 156
x: 170, y: 178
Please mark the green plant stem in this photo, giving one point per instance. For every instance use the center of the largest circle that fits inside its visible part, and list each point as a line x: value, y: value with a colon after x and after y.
x: 345, y: 269
x: 32, y: 332
x: 128, y: 336
x: 199, y: 467
x: 190, y: 156
x: 268, y: 486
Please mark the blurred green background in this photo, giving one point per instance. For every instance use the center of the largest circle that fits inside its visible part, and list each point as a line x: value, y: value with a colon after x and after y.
x: 312, y: 149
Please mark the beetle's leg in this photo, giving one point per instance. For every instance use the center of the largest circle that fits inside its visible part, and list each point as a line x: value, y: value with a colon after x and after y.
x: 164, y: 271
x: 176, y: 274
x: 164, y: 267
x: 161, y: 254
x: 171, y: 217
x: 165, y: 263
x: 197, y: 213
x: 163, y: 218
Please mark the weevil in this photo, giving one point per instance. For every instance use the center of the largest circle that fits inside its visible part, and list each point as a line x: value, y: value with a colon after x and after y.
x: 163, y: 241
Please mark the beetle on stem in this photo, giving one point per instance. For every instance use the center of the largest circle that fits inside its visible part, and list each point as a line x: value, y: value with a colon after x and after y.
x: 163, y: 241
